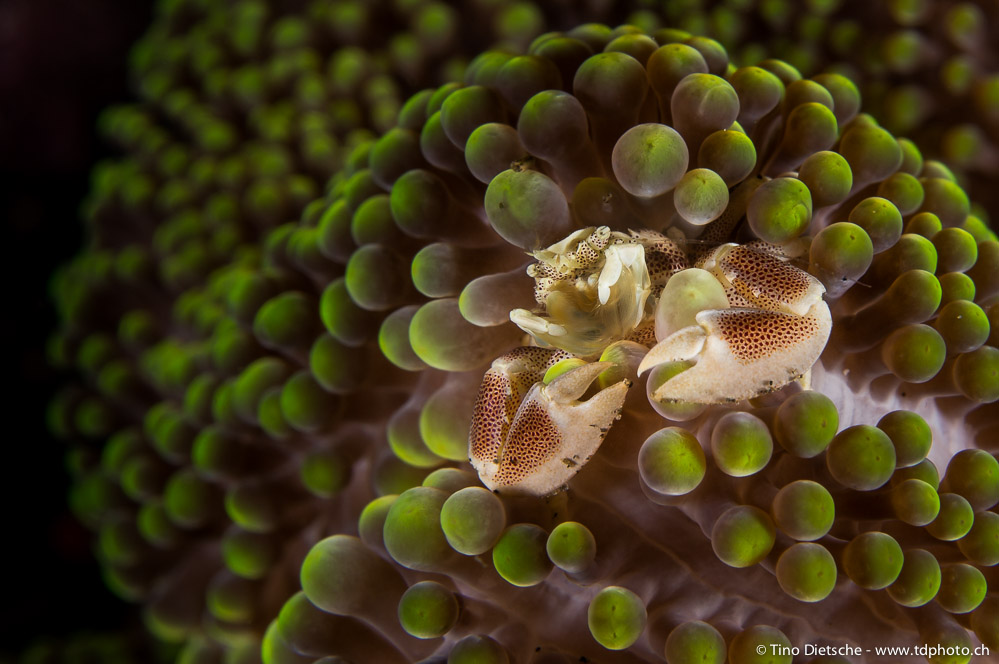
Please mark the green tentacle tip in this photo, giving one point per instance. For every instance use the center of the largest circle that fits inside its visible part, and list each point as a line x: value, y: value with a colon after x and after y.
x: 671, y: 462
x: 807, y: 572
x: 976, y: 374
x: 730, y: 154
x: 981, y: 544
x: 957, y: 249
x: 880, y: 218
x: 872, y: 152
x: 695, y: 642
x: 649, y: 159
x: 914, y: 353
x: 336, y: 367
x: 616, y: 617
x: 780, y: 210
x: 405, y: 441
x: 956, y: 286
x: 394, y: 340
x: 915, y: 502
x: 340, y: 575
x: 743, y: 536
x: 371, y: 522
x: 925, y: 224
x: 428, y: 610
x: 305, y: 405
x: 861, y: 457
x: 472, y: 519
x: 190, y: 502
x: 520, y: 556
x: 478, y: 649
x: 919, y: 580
x: 451, y: 480
x: 806, y: 423
x: 828, y: 177
x: 974, y: 475
x: 954, y: 520
x: 741, y: 444
x: 840, y: 254
x: 250, y: 508
x: 962, y: 588
x: 248, y: 555
x: 526, y: 208
x: 412, y: 531
x: 946, y: 199
x: 444, y: 424
x: 904, y: 191
x: 286, y: 320
x: 562, y: 367
x: 804, y: 510
x: 571, y: 547
x: 873, y: 560
x: 325, y: 473
x: 963, y: 325
x: 910, y: 434
x: 701, y: 196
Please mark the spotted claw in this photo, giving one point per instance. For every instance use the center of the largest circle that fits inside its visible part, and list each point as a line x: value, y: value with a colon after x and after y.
x: 532, y: 437
x: 773, y: 331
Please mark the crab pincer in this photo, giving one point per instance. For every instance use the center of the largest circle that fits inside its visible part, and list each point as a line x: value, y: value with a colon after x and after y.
x: 530, y: 436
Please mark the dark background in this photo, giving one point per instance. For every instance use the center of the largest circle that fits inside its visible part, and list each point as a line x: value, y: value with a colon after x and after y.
x: 61, y: 62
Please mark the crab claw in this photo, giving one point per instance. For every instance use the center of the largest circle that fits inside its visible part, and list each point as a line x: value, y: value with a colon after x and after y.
x: 533, y: 442
x: 774, y: 329
x: 740, y: 353
x: 756, y: 277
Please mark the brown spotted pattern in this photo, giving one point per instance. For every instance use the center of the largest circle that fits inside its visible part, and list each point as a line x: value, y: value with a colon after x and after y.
x: 663, y: 257
x: 753, y: 335
x: 501, y: 392
x: 585, y: 258
x: 762, y: 279
x: 533, y: 440
x: 735, y: 296
x: 774, y: 250
x: 590, y: 251
x: 489, y: 422
x: 644, y: 334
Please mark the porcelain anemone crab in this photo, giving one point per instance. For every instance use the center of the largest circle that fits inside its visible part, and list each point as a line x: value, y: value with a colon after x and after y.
x: 741, y: 317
